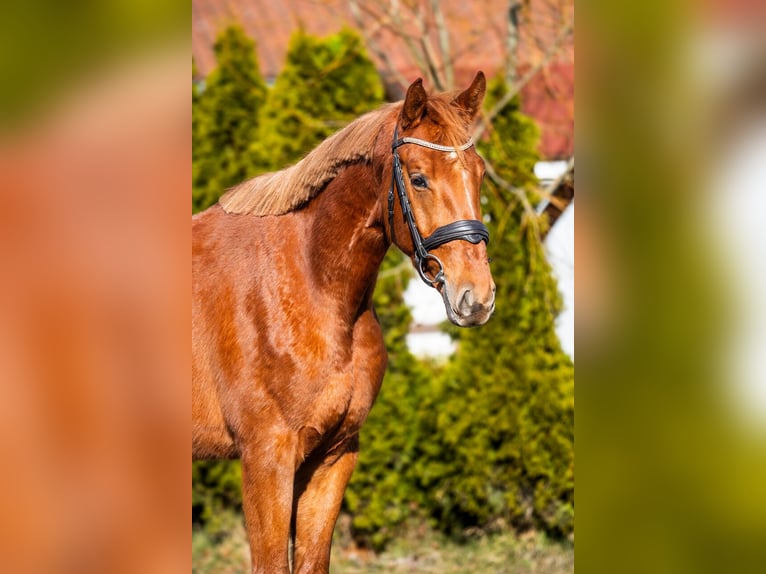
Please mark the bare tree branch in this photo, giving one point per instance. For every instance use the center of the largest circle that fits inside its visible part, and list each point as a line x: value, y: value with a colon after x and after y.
x: 552, y: 52
x: 444, y: 45
x: 412, y: 23
x: 560, y: 195
x: 512, y: 43
x: 431, y: 59
x: 423, y: 23
x: 530, y: 215
x: 419, y: 57
x: 375, y: 47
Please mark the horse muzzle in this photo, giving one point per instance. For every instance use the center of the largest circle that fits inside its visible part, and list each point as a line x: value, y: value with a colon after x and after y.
x: 465, y: 307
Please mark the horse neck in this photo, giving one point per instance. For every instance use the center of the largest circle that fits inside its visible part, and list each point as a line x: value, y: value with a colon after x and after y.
x: 347, y: 242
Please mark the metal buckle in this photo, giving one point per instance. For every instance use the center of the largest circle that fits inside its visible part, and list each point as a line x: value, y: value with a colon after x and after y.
x: 438, y: 278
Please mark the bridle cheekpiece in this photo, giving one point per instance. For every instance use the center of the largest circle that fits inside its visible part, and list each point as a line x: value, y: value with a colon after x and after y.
x: 470, y: 230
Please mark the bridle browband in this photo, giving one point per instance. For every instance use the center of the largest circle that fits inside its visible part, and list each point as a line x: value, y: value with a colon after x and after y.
x: 469, y: 230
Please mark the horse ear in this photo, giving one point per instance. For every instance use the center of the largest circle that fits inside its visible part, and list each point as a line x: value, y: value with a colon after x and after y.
x: 414, y: 104
x: 471, y: 99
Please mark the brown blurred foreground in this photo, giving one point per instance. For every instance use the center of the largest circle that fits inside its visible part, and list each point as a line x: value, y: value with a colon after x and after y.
x: 94, y: 325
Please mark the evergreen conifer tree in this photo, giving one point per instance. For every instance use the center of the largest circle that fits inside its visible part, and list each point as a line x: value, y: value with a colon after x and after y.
x: 225, y: 118
x: 501, y: 418
x: 325, y: 84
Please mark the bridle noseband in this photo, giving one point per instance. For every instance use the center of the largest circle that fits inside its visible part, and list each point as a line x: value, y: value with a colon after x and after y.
x: 469, y: 230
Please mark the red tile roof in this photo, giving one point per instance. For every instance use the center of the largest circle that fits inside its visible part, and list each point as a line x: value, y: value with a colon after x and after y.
x: 477, y: 42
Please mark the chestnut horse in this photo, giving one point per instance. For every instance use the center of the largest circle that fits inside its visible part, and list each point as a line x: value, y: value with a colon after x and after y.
x: 287, y: 352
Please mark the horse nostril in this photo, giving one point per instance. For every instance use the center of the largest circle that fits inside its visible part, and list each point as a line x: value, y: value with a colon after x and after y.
x: 466, y: 301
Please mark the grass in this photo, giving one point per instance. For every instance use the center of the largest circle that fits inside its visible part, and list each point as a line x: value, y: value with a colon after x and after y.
x: 227, y: 555
x: 421, y: 552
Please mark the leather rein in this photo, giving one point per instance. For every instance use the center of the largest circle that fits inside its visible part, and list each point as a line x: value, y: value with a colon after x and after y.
x: 470, y: 230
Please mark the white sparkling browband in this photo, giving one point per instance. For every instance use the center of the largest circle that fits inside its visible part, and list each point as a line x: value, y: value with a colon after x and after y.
x: 434, y: 146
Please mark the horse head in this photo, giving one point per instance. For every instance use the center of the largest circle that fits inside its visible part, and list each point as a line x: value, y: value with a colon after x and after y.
x: 434, y: 213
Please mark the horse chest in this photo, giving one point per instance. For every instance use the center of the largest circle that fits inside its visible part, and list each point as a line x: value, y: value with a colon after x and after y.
x: 346, y: 395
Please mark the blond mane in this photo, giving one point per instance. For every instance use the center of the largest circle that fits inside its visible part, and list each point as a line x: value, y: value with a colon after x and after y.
x: 283, y: 191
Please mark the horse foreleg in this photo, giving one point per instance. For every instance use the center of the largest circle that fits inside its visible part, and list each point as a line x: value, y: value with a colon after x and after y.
x: 317, y: 508
x: 268, y: 472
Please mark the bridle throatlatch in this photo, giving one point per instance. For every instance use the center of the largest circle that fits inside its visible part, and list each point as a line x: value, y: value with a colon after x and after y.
x: 470, y: 230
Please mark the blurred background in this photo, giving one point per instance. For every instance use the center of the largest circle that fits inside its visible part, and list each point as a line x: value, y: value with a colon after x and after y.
x: 470, y: 445
x: 95, y: 172
x: 671, y: 450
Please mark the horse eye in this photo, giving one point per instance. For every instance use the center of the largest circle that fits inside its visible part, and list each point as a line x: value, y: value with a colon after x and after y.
x: 419, y: 181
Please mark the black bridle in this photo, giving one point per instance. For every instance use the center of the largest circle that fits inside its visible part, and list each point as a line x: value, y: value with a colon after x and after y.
x: 469, y: 230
